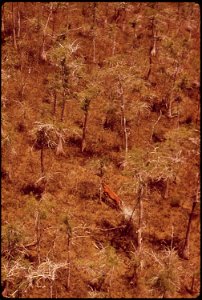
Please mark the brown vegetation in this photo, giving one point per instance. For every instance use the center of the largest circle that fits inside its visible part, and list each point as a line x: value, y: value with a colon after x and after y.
x: 96, y: 93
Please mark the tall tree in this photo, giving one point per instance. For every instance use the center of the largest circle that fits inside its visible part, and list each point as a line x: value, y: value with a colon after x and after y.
x: 86, y: 97
x: 14, y: 27
x: 61, y: 56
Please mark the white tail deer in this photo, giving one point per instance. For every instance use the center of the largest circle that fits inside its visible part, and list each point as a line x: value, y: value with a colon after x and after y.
x: 112, y: 195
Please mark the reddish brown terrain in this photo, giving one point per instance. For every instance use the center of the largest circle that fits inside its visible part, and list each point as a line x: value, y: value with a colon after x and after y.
x: 100, y: 148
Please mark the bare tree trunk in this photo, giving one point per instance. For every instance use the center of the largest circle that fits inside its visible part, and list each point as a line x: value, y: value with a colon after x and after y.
x: 43, y: 52
x: 170, y: 108
x: 169, y: 97
x: 23, y: 83
x: 39, y: 17
x: 68, y: 261
x: 60, y: 150
x: 192, y: 284
x: 53, y: 24
x: 5, y: 289
x: 167, y: 188
x: 178, y: 10
x: 114, y: 44
x: 178, y: 116
x: 63, y: 106
x: 19, y: 20
x: 94, y: 60
x: 101, y: 174
x: 150, y: 64
x: 83, y: 142
x: 185, y: 251
x: 69, y: 236
x: 100, y: 190
x: 171, y: 245
x: 159, y: 117
x: 93, y: 27
x: 123, y: 121
x: 10, y: 170
x: 131, y: 216
x: 38, y: 235
x: 54, y: 94
x: 152, y: 50
x: 198, y: 112
x: 94, y: 13
x: 3, y: 19
x: 14, y: 29
x: 139, y: 201
x: 65, y: 84
x: 125, y: 138
x: 54, y: 18
x: 139, y: 234
x: 42, y: 161
x: 67, y: 17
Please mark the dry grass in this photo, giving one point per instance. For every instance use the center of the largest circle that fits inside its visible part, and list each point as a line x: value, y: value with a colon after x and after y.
x: 40, y: 209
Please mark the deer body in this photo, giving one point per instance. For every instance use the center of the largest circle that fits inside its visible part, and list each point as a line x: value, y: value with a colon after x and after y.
x: 112, y: 195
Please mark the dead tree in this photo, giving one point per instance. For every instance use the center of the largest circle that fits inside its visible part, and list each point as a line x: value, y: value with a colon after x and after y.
x: 85, y: 108
x: 185, y: 251
x: 140, y: 225
x: 43, y: 52
x: 14, y: 28
x: 152, y: 49
x: 169, y: 95
x: 95, y: 4
x: 19, y: 20
x: 54, y: 95
x: 38, y: 235
x: 42, y: 161
x: 59, y: 149
x: 114, y: 42
x: 123, y: 120
x: 2, y: 20
x: 55, y: 9
x: 94, y: 31
x: 140, y: 222
x: 69, y: 237
x: 65, y: 83
x: 159, y: 117
x: 101, y: 174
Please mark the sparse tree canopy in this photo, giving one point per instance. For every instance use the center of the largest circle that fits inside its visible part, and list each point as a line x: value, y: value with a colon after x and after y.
x: 100, y: 149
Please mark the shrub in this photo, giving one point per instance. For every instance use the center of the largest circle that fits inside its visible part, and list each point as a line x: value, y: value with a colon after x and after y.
x: 166, y: 272
x: 87, y: 190
x: 175, y: 202
x: 11, y: 237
